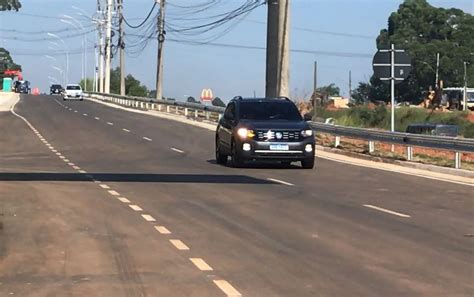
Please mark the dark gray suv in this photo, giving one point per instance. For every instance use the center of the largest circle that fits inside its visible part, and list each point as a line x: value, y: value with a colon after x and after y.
x: 264, y: 129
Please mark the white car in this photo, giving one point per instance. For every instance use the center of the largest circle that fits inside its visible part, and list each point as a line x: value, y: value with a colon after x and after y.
x: 73, y: 92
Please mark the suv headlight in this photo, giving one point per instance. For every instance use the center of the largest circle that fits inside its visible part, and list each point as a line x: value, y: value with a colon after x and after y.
x: 307, y: 133
x: 245, y: 133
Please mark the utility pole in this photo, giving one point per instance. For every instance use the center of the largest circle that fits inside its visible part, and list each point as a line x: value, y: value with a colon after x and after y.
x: 437, y: 69
x: 315, y: 88
x: 350, y: 85
x: 161, y: 41
x: 278, y: 48
x: 465, y: 87
x: 108, y: 43
x: 122, y: 48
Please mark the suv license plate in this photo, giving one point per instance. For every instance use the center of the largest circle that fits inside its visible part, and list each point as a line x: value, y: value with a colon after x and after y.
x: 279, y: 147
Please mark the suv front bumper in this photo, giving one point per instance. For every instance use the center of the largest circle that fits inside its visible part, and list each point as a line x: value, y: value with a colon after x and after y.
x: 260, y: 150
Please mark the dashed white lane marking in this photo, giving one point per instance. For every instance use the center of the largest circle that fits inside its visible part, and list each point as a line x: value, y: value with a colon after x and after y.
x: 76, y: 167
x: 110, y: 123
x: 113, y: 193
x: 123, y: 199
x: 162, y: 230
x: 75, y: 111
x: 54, y: 151
x: 179, y: 244
x: 135, y: 207
x: 85, y: 114
x: 201, y: 264
x: 97, y: 118
x: 104, y: 186
x: 177, y: 150
x: 82, y: 171
x: 227, y: 288
x: 71, y: 164
x: 387, y: 211
x: 147, y: 139
x: 62, y: 157
x: 148, y: 218
x: 126, y: 130
x: 66, y: 160
x: 280, y: 182
x: 58, y: 154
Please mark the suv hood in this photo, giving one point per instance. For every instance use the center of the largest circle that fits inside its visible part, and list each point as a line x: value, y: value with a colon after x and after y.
x: 274, y: 125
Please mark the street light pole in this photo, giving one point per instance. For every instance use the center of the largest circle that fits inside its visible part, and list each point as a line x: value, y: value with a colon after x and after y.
x: 67, y: 53
x: 84, y: 46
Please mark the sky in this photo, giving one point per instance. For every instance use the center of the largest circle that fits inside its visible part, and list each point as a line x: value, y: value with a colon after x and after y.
x: 325, y: 28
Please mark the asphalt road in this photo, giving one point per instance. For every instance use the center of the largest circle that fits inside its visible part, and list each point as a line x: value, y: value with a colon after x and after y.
x: 96, y: 201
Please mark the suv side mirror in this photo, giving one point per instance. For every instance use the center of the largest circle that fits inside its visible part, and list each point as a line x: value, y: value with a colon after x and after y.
x: 307, y: 117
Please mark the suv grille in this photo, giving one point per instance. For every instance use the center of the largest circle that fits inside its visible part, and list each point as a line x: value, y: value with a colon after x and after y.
x: 278, y: 135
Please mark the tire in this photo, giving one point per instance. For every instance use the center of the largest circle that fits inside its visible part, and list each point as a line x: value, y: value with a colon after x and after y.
x: 307, y: 163
x: 237, y: 161
x: 220, y: 157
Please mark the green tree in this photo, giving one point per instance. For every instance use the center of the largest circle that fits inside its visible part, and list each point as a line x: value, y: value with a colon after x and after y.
x: 90, y: 84
x: 424, y: 31
x: 218, y: 102
x: 133, y: 87
x: 329, y: 90
x: 10, y: 5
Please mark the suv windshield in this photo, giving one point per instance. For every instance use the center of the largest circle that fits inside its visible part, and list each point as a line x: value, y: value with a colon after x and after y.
x: 269, y: 111
x: 73, y: 88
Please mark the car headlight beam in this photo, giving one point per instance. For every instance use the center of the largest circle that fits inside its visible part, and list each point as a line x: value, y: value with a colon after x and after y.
x: 307, y: 133
x: 245, y: 133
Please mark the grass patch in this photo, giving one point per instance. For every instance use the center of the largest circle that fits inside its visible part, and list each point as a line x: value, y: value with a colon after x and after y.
x: 379, y: 117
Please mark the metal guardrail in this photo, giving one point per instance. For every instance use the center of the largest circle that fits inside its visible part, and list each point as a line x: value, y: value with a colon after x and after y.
x: 213, y: 113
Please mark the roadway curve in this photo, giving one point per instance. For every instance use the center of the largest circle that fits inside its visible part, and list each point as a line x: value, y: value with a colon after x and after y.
x: 88, y: 210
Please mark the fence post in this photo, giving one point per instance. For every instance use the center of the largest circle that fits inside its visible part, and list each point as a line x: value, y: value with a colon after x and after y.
x: 409, y: 153
x: 457, y: 160
x: 176, y: 109
x: 338, y: 141
x: 159, y: 107
x: 167, y: 108
x: 186, y: 111
x: 196, y: 115
x: 207, y: 115
x: 371, y: 146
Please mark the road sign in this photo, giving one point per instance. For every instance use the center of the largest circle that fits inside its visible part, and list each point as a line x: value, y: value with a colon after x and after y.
x: 382, y: 65
x: 206, y: 95
x: 392, y: 65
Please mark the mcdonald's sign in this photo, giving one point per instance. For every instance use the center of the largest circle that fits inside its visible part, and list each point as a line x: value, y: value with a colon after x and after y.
x: 206, y: 95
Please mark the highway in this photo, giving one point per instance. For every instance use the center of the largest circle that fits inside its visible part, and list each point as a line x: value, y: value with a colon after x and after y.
x: 97, y: 201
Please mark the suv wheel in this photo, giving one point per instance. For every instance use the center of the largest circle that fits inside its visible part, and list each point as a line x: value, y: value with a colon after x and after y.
x: 236, y: 159
x: 307, y: 163
x: 220, y: 157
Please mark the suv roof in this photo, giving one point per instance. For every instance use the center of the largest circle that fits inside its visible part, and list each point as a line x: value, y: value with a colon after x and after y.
x: 266, y: 99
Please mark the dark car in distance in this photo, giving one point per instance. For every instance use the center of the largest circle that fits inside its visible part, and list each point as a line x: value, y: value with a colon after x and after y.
x: 264, y: 129
x: 56, y: 90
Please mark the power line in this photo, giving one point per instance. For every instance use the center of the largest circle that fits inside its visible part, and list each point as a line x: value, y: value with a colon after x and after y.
x: 46, y: 38
x: 77, y: 51
x: 43, y: 31
x: 143, y: 22
x: 251, y: 47
x: 322, y: 31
